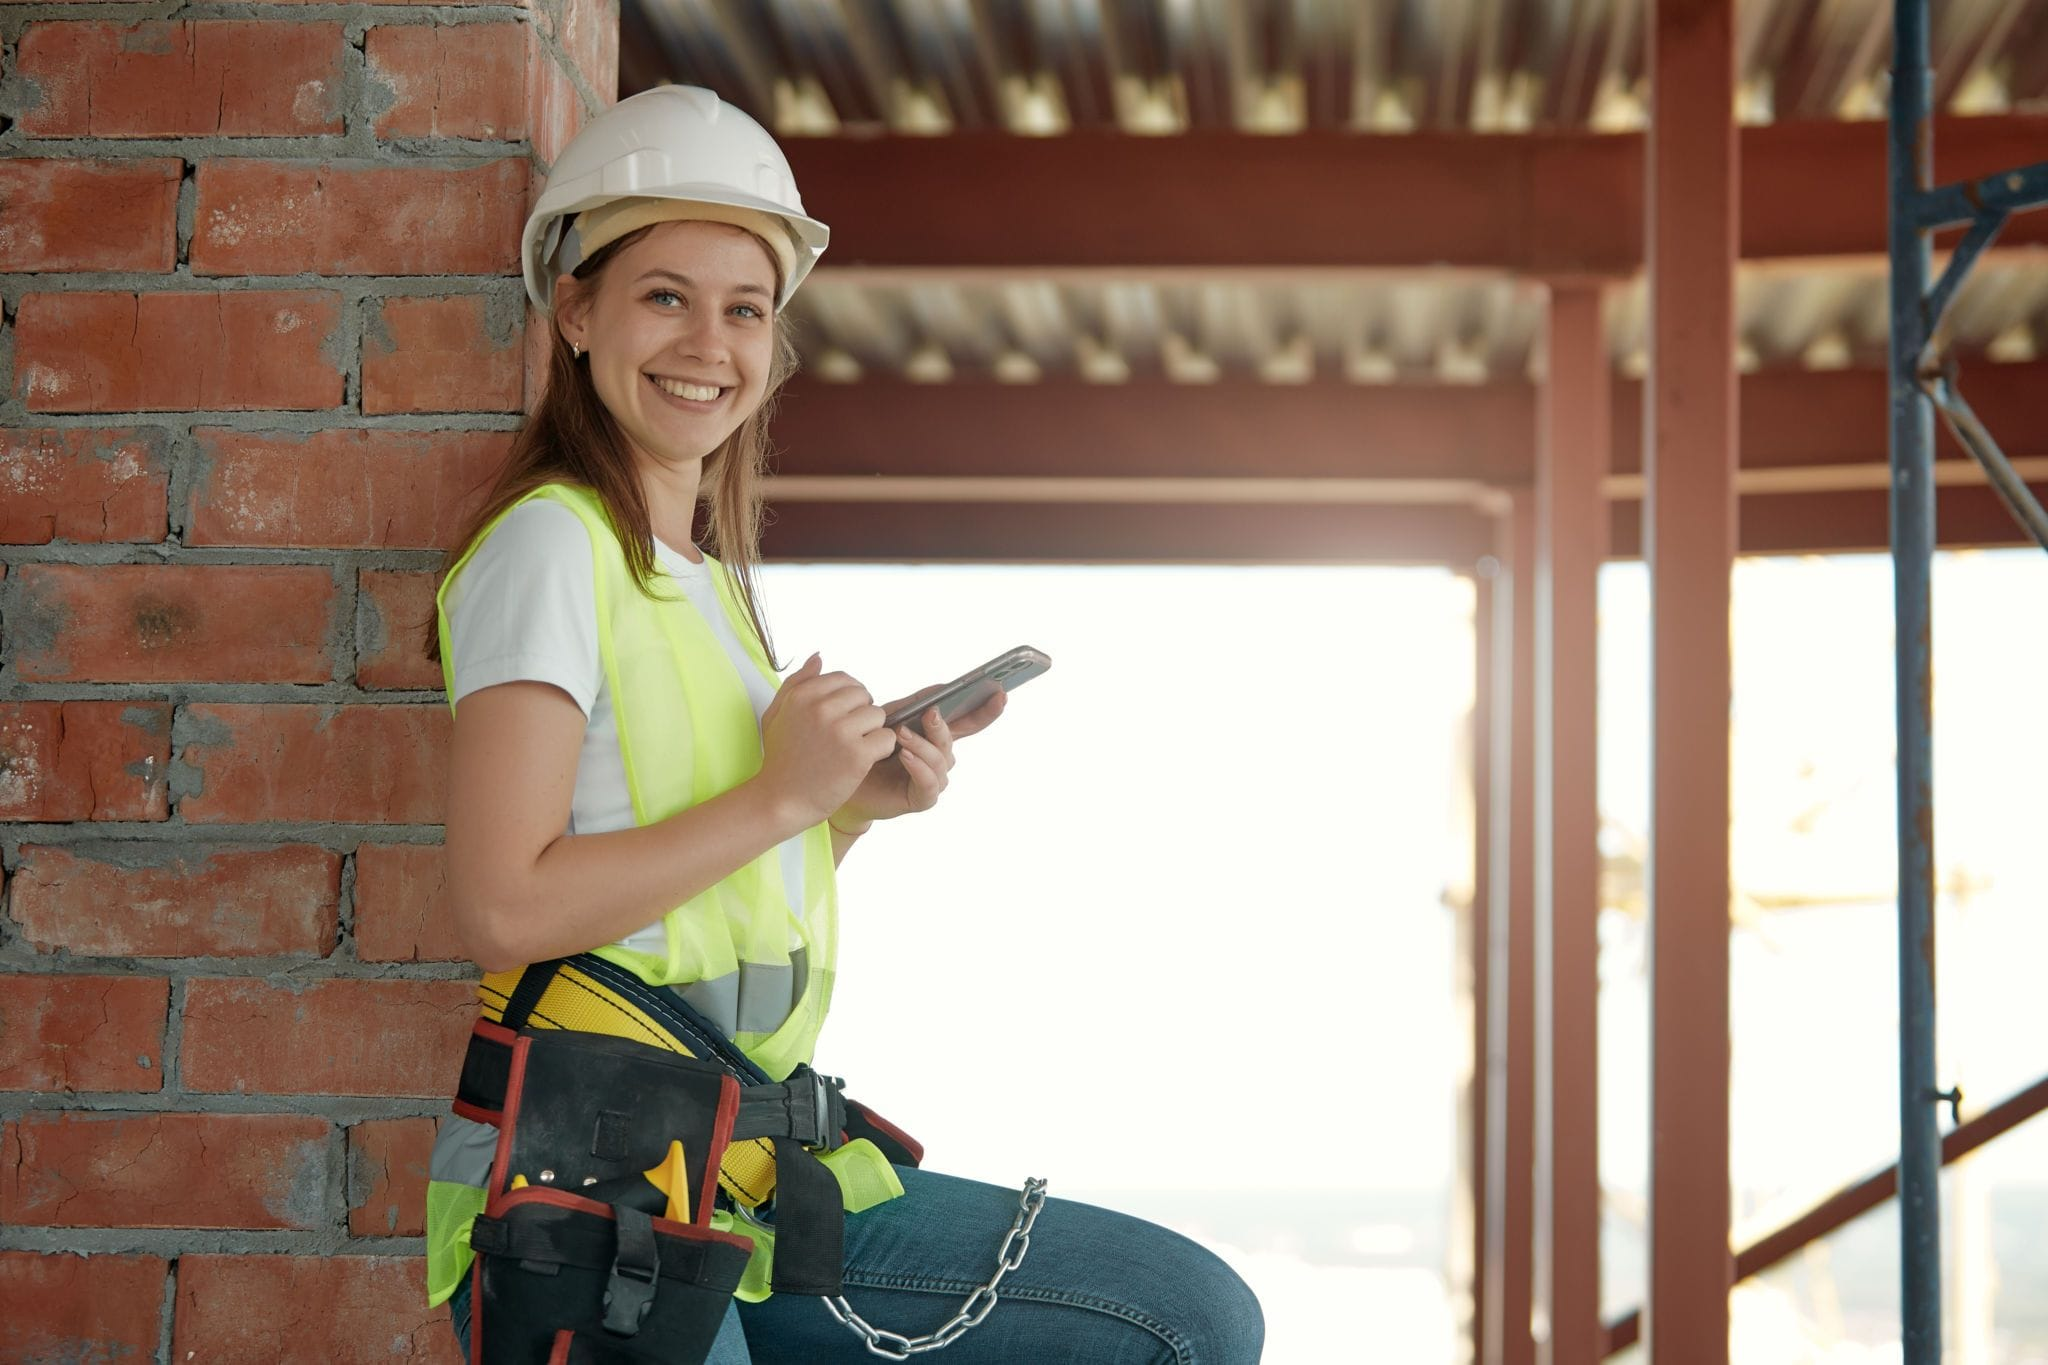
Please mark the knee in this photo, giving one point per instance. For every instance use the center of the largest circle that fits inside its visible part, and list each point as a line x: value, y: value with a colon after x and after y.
x: 1223, y: 1324
x: 1194, y: 1303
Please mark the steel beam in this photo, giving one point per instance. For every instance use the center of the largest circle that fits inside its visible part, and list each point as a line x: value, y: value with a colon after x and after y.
x: 1064, y: 428
x: 1843, y: 522
x: 1848, y: 1204
x: 1123, y: 533
x: 1148, y: 429
x: 1689, y: 536
x: 1510, y: 1015
x: 1542, y: 204
x: 1573, y: 454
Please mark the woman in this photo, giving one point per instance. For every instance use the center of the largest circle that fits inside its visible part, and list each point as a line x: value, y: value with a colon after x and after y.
x: 628, y: 778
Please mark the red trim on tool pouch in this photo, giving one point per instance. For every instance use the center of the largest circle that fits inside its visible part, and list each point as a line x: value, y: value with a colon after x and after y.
x: 576, y: 1203
x: 515, y: 1087
x: 721, y: 1137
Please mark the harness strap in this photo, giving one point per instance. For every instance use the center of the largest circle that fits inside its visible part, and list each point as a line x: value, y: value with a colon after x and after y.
x: 809, y: 1107
x: 533, y: 983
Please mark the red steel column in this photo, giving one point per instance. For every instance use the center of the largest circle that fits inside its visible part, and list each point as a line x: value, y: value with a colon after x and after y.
x: 1510, y: 1033
x: 1574, y: 451
x: 1689, y: 457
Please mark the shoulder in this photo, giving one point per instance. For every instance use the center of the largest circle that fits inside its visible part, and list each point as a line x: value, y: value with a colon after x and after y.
x: 523, y: 607
x: 541, y: 528
x: 538, y: 548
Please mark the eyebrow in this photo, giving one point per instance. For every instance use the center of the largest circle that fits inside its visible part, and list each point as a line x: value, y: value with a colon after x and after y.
x: 688, y: 283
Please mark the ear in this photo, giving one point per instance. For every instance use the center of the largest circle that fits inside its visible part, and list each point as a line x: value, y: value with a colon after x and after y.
x: 572, y: 310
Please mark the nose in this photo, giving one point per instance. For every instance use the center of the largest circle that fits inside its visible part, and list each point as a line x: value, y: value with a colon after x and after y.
x: 701, y: 336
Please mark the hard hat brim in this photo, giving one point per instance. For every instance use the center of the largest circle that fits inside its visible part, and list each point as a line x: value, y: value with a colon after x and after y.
x: 558, y: 205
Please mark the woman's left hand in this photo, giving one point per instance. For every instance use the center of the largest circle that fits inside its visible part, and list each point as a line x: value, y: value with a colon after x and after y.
x: 911, y: 778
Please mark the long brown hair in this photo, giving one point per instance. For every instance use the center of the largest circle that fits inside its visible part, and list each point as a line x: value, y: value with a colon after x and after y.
x: 571, y: 437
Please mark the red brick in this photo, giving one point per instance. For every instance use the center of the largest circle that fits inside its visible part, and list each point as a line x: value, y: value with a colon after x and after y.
x: 539, y: 347
x: 84, y: 760
x: 340, y: 489
x: 394, y: 611
x: 443, y: 355
x: 402, y: 910
x: 63, y: 1308
x: 166, y: 1171
x: 172, y: 900
x: 174, y: 623
x: 362, y: 764
x: 387, y: 1177
x: 89, y: 215
x: 82, y: 1032
x: 554, y: 109
x: 191, y: 78
x: 83, y: 483
x: 326, y: 1037
x: 452, y: 80
x: 284, y: 217
x: 589, y: 34
x: 306, y: 1310
x: 229, y: 351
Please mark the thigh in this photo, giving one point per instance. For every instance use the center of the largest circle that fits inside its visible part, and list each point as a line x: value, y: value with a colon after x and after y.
x: 1095, y: 1286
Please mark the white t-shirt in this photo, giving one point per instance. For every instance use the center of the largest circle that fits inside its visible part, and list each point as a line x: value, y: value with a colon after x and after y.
x: 524, y: 608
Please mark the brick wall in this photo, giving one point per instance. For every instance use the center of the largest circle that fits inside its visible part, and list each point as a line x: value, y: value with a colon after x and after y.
x: 263, y: 334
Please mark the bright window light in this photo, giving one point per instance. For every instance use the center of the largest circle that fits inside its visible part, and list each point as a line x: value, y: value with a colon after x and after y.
x: 1204, y: 860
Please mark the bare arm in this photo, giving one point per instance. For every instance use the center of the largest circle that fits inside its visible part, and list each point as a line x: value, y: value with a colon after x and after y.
x: 521, y: 891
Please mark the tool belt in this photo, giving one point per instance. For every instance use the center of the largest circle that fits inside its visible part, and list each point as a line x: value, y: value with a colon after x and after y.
x: 622, y: 1115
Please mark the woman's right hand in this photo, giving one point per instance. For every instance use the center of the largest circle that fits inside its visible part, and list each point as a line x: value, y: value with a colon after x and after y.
x: 819, y: 737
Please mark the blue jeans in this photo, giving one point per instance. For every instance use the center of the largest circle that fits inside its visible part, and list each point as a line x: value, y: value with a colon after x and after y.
x: 1096, y: 1287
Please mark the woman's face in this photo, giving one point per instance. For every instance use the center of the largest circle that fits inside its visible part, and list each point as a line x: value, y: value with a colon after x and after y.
x: 679, y: 333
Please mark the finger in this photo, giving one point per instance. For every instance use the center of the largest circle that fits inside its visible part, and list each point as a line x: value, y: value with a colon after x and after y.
x: 836, y: 694
x: 937, y: 752
x: 979, y: 719
x: 925, y: 782
x: 804, y: 673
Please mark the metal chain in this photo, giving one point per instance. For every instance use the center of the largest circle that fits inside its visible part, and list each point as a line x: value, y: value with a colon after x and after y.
x: 1010, y: 1255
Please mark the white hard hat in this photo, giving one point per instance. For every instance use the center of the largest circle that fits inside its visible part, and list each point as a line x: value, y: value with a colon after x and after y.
x: 674, y: 142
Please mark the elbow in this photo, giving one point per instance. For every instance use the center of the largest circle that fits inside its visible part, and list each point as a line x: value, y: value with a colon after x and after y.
x: 485, y: 928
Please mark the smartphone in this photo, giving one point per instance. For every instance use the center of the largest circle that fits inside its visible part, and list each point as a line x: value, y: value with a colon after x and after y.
x: 1008, y: 671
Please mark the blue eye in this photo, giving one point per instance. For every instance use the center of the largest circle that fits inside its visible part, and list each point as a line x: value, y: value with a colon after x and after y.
x: 752, y: 311
x: 661, y: 294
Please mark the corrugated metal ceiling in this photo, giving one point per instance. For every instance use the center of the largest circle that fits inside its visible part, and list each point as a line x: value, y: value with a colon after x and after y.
x: 931, y: 67
x: 1278, y: 66
x: 1295, y: 327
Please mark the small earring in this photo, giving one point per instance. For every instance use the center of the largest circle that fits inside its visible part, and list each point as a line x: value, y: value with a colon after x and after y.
x: 576, y: 350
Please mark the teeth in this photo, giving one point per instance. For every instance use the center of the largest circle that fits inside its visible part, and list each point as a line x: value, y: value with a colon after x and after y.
x: 696, y: 393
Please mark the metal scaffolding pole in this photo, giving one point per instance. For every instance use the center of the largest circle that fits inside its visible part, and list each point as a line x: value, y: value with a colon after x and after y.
x: 1919, y: 384
x: 1912, y: 456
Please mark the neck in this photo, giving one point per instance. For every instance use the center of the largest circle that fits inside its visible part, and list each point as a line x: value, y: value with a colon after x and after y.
x: 671, y: 493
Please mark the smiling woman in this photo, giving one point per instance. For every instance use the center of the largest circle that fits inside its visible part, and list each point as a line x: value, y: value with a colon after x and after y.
x: 685, y: 354
x: 644, y: 826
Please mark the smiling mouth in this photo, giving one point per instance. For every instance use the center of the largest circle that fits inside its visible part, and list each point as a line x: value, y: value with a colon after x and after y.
x: 689, y: 393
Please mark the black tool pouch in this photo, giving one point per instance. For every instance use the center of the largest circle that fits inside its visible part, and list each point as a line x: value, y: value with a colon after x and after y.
x: 576, y: 1265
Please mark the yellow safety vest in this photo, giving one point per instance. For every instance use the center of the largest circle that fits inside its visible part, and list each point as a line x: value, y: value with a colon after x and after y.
x: 687, y: 732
